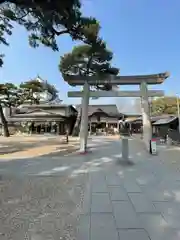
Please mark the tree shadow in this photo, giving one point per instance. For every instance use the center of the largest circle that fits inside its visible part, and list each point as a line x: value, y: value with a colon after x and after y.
x: 9, y: 148
x: 124, y: 162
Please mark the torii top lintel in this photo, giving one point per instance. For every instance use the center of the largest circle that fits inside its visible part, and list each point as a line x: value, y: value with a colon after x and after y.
x: 75, y: 80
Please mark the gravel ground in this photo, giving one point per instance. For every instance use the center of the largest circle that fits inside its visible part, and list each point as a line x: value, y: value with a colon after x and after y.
x: 40, y: 208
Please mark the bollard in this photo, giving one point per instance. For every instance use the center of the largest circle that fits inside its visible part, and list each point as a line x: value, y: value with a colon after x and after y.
x: 125, y: 149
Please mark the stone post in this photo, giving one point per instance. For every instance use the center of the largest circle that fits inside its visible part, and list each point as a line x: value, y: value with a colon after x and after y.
x: 84, y: 118
x: 125, y: 148
x: 146, y: 119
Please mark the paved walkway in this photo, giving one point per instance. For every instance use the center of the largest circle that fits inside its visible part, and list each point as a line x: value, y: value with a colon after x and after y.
x: 138, y: 201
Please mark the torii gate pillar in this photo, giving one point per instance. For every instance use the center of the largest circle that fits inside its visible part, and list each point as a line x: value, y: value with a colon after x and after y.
x: 146, y: 118
x: 84, y: 118
x: 147, y: 128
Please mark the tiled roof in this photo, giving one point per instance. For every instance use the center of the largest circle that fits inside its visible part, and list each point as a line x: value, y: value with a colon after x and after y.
x: 165, y: 121
x: 46, y: 107
x: 156, y: 118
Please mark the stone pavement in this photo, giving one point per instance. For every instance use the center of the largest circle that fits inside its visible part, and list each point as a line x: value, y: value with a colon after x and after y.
x: 117, y: 201
x: 140, y: 201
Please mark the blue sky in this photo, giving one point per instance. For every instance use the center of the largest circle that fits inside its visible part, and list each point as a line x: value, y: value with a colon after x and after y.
x: 143, y: 35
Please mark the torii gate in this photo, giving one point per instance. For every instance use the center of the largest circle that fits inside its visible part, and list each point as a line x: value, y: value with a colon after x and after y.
x: 141, y: 80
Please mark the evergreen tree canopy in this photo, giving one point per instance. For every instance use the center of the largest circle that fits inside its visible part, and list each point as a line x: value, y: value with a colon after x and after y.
x: 45, y: 21
x: 13, y: 96
x: 9, y: 95
x: 32, y: 88
x: 88, y: 61
x: 165, y: 105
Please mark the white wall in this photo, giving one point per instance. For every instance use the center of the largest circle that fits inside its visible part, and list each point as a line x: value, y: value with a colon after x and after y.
x: 6, y: 112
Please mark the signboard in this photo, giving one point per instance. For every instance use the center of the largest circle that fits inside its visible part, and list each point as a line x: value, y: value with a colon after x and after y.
x: 153, y: 146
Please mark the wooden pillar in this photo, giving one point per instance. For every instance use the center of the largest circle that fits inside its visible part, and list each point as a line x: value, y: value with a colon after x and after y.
x: 58, y: 128
x: 67, y: 132
x: 45, y: 127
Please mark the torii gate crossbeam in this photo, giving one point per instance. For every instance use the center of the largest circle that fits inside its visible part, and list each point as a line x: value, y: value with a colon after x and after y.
x: 94, y: 94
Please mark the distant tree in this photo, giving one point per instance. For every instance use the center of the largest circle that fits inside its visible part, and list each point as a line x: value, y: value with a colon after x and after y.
x: 31, y: 91
x: 164, y: 105
x: 13, y: 96
x: 9, y: 97
x: 45, y: 20
x: 88, y: 60
x: 51, y: 89
x: 5, y: 29
x: 1, y: 59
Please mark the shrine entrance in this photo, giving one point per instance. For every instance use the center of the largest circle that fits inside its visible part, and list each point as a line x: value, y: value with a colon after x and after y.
x: 142, y: 80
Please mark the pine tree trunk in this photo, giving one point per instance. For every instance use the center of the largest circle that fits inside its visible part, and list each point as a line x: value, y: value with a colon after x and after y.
x: 4, y: 123
x: 76, y: 129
